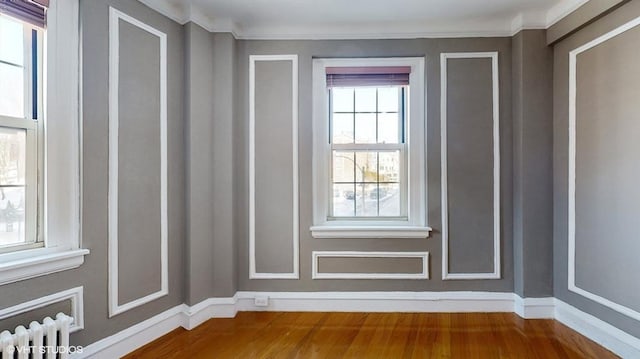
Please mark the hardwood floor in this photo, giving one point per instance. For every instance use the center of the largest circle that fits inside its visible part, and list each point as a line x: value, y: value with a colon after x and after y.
x: 374, y: 335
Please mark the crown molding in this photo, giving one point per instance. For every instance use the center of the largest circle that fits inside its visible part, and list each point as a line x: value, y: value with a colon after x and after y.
x: 562, y: 9
x: 183, y: 12
x: 176, y: 11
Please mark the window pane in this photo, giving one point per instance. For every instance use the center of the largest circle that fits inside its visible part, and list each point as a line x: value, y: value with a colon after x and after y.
x: 390, y: 166
x: 388, y: 128
x: 388, y: 98
x: 365, y: 99
x: 366, y: 203
x: 365, y: 128
x: 342, y: 129
x: 366, y: 167
x: 343, y: 200
x: 12, y: 156
x: 11, y: 41
x: 343, y: 166
x: 12, y: 229
x: 389, y: 200
x: 342, y: 99
x: 11, y: 90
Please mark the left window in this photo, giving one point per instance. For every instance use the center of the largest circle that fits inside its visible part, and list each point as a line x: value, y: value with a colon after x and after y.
x: 20, y: 122
x: 39, y: 138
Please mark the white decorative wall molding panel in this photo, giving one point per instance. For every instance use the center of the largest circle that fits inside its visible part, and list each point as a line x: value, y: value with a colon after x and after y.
x: 74, y: 295
x: 317, y: 274
x: 573, y: 241
x: 263, y: 128
x: 116, y: 19
x: 495, y: 168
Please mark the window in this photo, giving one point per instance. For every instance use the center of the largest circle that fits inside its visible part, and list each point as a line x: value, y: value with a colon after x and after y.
x: 369, y: 157
x: 39, y: 138
x: 368, y: 149
x: 20, y: 111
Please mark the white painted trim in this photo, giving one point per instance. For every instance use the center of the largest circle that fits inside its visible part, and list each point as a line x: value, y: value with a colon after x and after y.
x: 415, y: 142
x: 496, y: 165
x: 316, y: 255
x: 572, y: 173
x: 43, y: 261
x: 601, y: 332
x: 114, y: 58
x: 210, y: 308
x: 127, y: 340
x: 370, y: 232
x: 561, y: 10
x: 380, y: 302
x: 534, y: 308
x: 75, y: 295
x: 61, y: 127
x: 176, y: 11
x: 253, y: 274
x: 183, y: 12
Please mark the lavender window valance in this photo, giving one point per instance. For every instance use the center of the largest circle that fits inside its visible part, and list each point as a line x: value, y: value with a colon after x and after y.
x: 368, y: 76
x: 31, y: 11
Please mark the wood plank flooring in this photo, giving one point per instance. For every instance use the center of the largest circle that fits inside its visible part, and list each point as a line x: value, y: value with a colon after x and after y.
x: 374, y: 335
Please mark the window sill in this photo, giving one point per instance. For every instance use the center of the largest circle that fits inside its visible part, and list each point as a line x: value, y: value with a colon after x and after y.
x: 15, y: 267
x: 370, y: 232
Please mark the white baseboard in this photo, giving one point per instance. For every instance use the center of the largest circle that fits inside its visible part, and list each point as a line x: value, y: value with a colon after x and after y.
x: 190, y: 317
x: 378, y: 301
x: 209, y: 308
x: 136, y: 336
x: 601, y: 332
x: 534, y: 308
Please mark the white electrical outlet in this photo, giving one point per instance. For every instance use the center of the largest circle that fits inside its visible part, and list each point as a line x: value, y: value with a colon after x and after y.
x: 261, y: 301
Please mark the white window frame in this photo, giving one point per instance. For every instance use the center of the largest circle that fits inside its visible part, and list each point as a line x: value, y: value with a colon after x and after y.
x: 33, y: 129
x: 60, y: 206
x: 415, y: 223
x: 401, y: 147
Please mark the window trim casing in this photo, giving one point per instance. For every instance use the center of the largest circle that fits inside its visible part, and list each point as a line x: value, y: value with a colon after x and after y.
x: 62, y: 158
x: 415, y: 226
x: 33, y: 132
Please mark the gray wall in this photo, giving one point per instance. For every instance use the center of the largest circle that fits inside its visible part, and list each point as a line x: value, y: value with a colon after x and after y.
x: 608, y: 78
x: 532, y: 164
x: 431, y: 49
x: 211, y: 249
x: 93, y: 274
x: 200, y: 169
x: 224, y: 185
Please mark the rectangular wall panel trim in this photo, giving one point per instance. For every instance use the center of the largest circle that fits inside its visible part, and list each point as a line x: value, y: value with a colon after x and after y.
x: 572, y: 173
x: 496, y: 165
x: 74, y: 295
x: 253, y: 273
x: 114, y: 58
x: 316, y: 255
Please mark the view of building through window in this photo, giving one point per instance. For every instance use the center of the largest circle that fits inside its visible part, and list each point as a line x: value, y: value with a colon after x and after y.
x: 12, y: 101
x: 13, y: 139
x: 367, y: 148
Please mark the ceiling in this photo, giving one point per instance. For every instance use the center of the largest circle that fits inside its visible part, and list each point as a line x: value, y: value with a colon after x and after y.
x: 350, y: 19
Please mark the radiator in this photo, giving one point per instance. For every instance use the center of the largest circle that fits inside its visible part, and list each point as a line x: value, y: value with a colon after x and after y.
x: 46, y: 340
